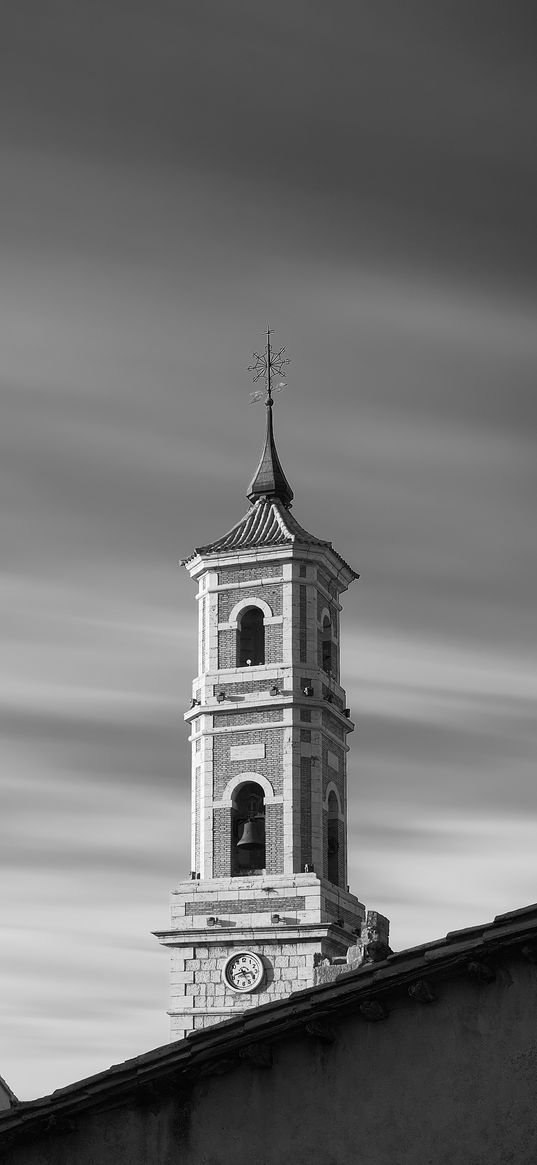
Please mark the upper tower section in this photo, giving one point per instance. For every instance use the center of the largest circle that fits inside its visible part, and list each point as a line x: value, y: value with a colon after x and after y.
x: 267, y: 708
x: 268, y: 529
x: 267, y: 896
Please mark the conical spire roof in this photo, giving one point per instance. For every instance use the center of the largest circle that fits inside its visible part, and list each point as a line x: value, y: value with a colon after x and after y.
x: 269, y: 480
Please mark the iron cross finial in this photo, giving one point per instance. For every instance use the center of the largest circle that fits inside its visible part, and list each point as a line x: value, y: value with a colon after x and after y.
x: 267, y: 364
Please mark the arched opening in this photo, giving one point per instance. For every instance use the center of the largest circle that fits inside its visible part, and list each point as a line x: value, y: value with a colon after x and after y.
x: 248, y: 849
x: 332, y: 840
x: 326, y: 643
x: 251, y: 638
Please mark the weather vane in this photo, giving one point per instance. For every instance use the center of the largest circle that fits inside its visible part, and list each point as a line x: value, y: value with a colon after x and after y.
x: 267, y: 365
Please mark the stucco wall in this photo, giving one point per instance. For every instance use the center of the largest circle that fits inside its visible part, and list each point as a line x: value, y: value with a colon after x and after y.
x: 448, y: 1083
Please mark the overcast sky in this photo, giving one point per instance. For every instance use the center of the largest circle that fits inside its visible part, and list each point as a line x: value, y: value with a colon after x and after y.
x: 174, y: 176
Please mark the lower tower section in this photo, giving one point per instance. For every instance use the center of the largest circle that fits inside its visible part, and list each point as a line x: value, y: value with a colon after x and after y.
x: 237, y: 943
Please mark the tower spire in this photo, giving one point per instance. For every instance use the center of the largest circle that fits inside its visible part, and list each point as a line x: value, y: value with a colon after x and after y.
x: 269, y: 480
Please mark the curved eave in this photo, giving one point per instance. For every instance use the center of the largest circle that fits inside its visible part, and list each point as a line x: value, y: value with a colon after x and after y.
x: 268, y: 523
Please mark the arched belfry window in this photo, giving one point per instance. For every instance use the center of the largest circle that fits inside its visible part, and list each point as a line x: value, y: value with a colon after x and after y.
x: 326, y: 641
x: 251, y: 638
x: 332, y: 840
x: 248, y: 849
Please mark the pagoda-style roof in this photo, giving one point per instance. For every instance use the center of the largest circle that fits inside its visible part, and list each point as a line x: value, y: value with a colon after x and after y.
x: 267, y: 523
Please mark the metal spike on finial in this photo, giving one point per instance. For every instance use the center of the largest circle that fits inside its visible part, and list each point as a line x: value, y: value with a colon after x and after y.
x: 269, y: 480
x: 266, y: 364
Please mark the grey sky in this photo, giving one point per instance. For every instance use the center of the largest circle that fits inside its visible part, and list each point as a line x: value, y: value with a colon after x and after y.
x: 174, y: 177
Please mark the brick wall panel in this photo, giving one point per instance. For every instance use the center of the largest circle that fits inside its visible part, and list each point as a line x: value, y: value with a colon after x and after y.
x: 270, y: 767
x: 263, y: 905
x: 248, y: 687
x: 274, y: 839
x: 227, y: 649
x: 221, y: 843
x: 228, y: 599
x: 274, y: 643
x: 238, y: 574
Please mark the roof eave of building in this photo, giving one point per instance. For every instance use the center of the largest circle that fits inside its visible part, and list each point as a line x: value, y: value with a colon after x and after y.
x: 222, y: 1045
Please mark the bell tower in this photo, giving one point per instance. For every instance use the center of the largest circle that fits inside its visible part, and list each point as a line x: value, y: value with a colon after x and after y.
x: 267, y: 897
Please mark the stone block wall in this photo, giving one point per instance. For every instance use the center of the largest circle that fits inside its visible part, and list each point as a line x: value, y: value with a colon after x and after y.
x: 311, y: 914
x: 198, y: 984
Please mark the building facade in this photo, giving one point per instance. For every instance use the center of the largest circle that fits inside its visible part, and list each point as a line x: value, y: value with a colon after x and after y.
x: 268, y: 898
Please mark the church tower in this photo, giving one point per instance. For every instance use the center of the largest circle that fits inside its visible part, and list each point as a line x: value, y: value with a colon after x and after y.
x: 267, y: 898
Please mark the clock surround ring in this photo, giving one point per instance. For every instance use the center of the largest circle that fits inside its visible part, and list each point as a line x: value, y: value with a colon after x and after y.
x: 244, y: 971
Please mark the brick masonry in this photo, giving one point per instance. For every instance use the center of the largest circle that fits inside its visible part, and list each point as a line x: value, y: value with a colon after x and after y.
x: 228, y: 599
x: 270, y: 767
x: 227, y: 649
x: 274, y: 839
x: 227, y: 646
x: 236, y: 719
x: 274, y: 643
x: 245, y: 905
x: 243, y: 574
x: 247, y: 687
x: 221, y: 842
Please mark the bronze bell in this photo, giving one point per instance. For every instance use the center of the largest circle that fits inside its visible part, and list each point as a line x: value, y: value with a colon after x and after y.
x: 253, y: 834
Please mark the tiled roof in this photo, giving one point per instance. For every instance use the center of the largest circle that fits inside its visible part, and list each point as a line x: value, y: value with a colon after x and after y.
x: 268, y: 522
x: 372, y: 990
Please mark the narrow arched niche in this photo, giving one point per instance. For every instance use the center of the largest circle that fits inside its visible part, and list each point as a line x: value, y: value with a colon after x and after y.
x: 251, y: 638
x: 248, y: 823
x: 326, y: 645
x: 332, y: 839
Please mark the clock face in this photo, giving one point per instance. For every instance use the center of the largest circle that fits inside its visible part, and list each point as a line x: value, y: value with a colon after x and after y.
x: 244, y: 971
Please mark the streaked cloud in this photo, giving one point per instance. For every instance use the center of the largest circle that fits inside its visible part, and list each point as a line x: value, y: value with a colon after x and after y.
x: 375, y: 204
